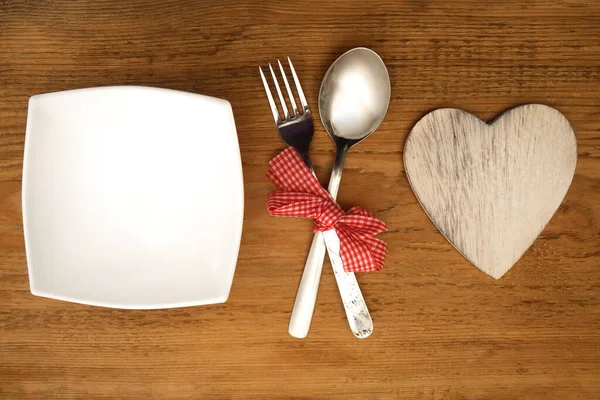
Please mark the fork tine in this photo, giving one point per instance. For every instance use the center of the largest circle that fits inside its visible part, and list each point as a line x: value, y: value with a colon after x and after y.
x: 298, y: 87
x: 286, y: 114
x: 289, y: 91
x: 269, y: 96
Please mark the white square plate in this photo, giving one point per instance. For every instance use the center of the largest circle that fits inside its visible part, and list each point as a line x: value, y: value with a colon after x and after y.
x: 132, y: 197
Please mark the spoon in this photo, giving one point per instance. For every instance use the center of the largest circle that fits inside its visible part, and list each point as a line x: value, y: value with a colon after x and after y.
x: 353, y: 100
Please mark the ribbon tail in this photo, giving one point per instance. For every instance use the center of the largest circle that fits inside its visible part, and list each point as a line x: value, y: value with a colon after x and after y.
x: 361, y: 254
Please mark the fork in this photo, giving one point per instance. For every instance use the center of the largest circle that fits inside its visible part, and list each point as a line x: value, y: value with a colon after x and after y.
x: 297, y: 130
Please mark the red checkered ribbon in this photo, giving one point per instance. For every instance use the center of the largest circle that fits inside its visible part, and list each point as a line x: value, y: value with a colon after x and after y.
x: 299, y: 194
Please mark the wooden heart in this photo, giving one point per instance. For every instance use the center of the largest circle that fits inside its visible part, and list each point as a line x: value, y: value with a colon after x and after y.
x: 491, y: 188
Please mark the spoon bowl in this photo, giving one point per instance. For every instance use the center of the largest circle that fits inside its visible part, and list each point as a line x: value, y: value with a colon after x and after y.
x: 354, y: 96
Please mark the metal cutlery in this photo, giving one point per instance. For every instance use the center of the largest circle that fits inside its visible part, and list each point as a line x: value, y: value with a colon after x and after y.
x: 296, y: 129
x: 353, y: 100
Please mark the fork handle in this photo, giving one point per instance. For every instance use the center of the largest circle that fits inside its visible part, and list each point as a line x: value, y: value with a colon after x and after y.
x: 306, y: 297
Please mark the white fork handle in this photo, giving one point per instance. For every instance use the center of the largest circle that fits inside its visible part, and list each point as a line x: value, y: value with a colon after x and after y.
x: 306, y: 297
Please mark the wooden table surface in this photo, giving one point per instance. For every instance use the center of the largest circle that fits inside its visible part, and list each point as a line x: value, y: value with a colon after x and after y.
x: 443, y: 329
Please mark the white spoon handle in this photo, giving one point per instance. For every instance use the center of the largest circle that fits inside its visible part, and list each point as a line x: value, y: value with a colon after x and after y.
x: 356, y: 309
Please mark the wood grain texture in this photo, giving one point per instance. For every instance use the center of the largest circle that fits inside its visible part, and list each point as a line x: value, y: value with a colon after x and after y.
x: 491, y: 189
x: 443, y: 330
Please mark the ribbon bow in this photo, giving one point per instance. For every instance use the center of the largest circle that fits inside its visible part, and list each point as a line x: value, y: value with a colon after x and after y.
x: 299, y: 194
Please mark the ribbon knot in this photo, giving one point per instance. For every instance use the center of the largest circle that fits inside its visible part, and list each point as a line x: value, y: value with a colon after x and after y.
x: 331, y: 213
x: 299, y: 194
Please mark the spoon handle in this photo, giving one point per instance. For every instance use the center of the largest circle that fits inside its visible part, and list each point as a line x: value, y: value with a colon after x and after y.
x: 356, y: 309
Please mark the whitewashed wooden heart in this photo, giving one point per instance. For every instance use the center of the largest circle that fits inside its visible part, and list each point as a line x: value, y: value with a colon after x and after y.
x: 491, y: 188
